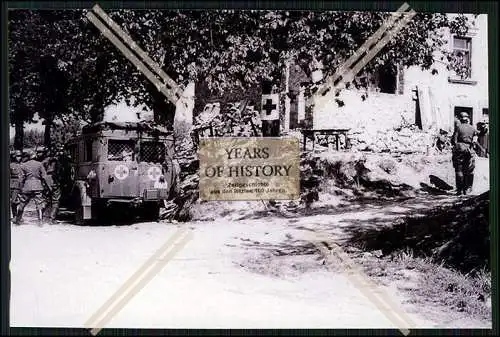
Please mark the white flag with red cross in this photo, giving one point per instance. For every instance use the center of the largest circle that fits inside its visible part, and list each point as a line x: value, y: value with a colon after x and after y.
x: 270, y: 107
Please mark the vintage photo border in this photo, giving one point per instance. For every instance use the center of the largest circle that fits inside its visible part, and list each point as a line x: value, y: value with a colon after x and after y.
x: 485, y: 7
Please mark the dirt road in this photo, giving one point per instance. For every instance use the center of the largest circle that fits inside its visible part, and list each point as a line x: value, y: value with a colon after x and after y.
x: 226, y: 277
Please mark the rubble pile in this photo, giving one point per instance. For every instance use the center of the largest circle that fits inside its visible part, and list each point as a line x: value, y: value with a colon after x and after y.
x: 405, y: 140
x: 310, y: 178
x: 186, y: 156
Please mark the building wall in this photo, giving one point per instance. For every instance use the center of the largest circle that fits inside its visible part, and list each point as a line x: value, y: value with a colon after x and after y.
x: 386, y: 111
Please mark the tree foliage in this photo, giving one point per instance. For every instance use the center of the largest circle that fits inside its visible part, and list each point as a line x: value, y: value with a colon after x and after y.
x: 230, y: 51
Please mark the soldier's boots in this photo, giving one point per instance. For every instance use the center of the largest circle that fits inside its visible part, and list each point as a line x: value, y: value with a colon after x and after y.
x: 14, y: 211
x: 460, y: 184
x: 53, y: 214
x: 18, y: 220
x: 40, y: 217
x: 469, y: 181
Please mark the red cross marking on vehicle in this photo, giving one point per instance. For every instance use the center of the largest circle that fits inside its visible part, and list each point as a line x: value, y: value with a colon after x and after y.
x: 121, y: 172
x: 154, y: 172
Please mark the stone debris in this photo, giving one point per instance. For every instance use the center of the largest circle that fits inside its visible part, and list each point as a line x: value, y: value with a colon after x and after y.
x: 405, y: 140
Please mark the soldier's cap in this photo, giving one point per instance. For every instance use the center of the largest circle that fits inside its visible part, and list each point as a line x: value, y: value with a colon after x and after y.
x: 464, y: 114
x: 30, y: 154
x: 41, y: 149
x: 18, y: 153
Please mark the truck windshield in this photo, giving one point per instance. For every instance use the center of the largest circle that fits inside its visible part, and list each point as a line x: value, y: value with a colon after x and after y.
x: 152, y: 152
x: 121, y: 150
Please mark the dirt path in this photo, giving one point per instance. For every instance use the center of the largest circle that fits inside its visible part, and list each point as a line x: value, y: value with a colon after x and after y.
x: 228, y: 276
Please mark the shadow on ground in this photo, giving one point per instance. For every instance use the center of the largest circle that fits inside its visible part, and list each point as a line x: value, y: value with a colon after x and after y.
x: 116, y: 218
x: 289, y: 258
x: 456, y: 233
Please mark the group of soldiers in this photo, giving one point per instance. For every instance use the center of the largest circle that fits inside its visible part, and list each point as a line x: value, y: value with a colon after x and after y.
x: 35, y: 175
x: 467, y: 142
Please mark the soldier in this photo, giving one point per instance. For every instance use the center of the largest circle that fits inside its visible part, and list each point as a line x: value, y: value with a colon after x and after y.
x: 41, y: 156
x: 463, y: 154
x: 34, y: 179
x: 482, y: 145
x: 24, y: 157
x: 53, y: 167
x: 15, y: 181
x: 41, y: 153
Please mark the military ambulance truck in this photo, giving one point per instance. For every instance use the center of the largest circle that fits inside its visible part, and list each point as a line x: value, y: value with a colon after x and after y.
x: 118, y: 164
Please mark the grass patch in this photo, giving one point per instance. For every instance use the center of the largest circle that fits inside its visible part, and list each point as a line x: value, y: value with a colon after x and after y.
x: 429, y: 283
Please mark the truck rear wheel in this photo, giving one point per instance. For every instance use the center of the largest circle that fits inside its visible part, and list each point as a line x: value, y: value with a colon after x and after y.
x: 151, y: 212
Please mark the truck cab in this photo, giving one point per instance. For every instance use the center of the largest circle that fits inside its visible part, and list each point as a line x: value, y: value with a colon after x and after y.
x: 125, y: 163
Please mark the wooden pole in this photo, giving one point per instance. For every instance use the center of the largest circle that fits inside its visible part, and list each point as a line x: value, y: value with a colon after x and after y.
x: 269, y: 111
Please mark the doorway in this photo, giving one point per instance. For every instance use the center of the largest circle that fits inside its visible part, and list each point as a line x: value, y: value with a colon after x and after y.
x: 460, y: 109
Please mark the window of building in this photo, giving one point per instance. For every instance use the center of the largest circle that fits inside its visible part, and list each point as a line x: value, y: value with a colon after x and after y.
x: 462, y: 51
x: 485, y: 112
x: 387, y: 81
x: 384, y: 80
x: 460, y: 109
x: 121, y: 150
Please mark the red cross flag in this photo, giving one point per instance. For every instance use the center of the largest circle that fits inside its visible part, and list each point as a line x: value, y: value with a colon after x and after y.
x: 270, y: 107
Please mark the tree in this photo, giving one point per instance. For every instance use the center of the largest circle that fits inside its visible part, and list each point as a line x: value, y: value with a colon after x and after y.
x: 230, y: 51
x: 23, y: 28
x: 233, y: 51
x: 53, y: 93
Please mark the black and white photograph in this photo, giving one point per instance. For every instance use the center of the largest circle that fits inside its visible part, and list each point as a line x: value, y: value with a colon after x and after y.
x: 108, y: 111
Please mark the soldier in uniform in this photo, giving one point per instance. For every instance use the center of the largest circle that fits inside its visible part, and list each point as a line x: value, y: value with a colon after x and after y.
x: 463, y: 140
x: 41, y: 156
x: 483, y: 149
x: 15, y: 181
x: 53, y: 168
x: 24, y: 157
x: 34, y: 179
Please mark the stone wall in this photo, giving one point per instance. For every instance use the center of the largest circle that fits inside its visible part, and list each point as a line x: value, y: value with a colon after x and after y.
x: 377, y: 111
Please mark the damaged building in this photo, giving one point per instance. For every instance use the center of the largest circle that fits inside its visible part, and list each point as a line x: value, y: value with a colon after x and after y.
x: 422, y: 102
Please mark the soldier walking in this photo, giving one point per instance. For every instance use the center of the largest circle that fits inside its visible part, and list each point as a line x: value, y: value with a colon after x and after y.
x: 463, y: 154
x: 34, y: 179
x: 52, y: 165
x: 15, y: 181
